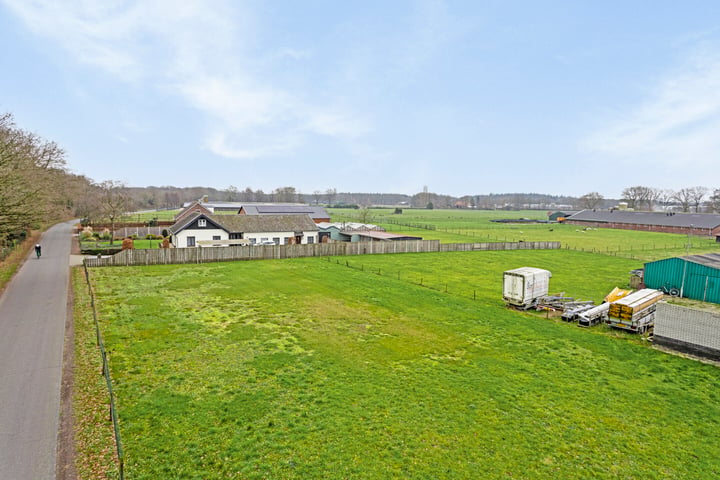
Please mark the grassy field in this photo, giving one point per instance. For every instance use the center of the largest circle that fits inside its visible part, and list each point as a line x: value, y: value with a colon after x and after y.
x: 309, y: 369
x: 461, y: 226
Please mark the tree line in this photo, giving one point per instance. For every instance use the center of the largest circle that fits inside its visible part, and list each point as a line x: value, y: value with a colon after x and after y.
x: 37, y: 189
x: 689, y: 199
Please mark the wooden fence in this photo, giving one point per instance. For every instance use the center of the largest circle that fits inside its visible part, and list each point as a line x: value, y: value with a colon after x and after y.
x: 167, y: 256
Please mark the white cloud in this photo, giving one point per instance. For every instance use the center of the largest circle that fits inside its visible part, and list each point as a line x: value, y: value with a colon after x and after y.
x: 677, y: 126
x: 204, y: 53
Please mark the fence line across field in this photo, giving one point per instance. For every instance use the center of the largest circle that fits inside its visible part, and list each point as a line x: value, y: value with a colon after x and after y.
x: 171, y: 256
x: 108, y: 380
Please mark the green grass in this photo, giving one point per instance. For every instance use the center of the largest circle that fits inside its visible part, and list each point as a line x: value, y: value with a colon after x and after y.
x: 95, y: 456
x: 308, y: 369
x: 139, y: 243
x: 463, y: 226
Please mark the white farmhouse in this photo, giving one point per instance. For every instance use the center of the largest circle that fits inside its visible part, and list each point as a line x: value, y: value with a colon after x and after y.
x: 202, y: 229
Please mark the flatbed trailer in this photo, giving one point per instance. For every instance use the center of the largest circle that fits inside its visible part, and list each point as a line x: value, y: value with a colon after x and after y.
x: 636, y: 312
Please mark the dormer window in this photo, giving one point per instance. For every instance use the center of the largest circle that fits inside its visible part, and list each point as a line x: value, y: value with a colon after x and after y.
x: 202, y: 222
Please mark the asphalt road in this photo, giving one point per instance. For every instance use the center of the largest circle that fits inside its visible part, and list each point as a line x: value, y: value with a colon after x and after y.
x: 32, y: 325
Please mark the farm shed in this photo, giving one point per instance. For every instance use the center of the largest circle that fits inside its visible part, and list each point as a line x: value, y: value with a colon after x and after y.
x: 688, y: 330
x: 696, y: 276
x: 343, y: 231
x: 558, y: 215
x: 317, y: 213
x: 684, y: 223
x: 372, y: 236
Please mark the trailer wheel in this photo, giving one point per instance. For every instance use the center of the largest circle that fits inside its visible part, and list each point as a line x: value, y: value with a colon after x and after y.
x: 674, y: 292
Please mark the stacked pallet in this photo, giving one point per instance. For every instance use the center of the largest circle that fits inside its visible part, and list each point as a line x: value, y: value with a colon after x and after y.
x: 635, y: 304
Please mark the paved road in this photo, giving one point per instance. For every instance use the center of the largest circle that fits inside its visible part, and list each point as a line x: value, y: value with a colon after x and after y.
x: 32, y: 325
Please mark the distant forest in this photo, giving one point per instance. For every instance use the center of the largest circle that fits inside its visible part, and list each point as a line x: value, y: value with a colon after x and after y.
x: 689, y: 199
x: 168, y: 197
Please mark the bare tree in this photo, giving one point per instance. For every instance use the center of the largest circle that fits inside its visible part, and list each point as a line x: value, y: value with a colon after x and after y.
x: 591, y: 200
x: 665, y: 197
x: 364, y: 214
x: 32, y: 180
x: 285, y: 195
x: 697, y: 195
x: 114, y: 202
x: 232, y: 193
x: 330, y: 193
x: 715, y: 200
x: 638, y: 197
x: 684, y: 197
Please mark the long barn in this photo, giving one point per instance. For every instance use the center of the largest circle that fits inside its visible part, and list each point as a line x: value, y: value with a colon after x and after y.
x: 666, y: 222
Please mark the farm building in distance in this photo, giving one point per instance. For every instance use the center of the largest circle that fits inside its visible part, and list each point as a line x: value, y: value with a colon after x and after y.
x: 560, y: 215
x: 359, y: 232
x: 317, y: 213
x: 695, y: 276
x: 685, y: 223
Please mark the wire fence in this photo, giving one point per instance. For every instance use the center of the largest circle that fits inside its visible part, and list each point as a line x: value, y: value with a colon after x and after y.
x: 647, y: 252
x: 108, y: 380
x: 420, y: 279
x: 168, y: 256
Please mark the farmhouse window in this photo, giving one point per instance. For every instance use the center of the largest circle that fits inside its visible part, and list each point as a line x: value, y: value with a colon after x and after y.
x: 236, y: 236
x: 277, y: 240
x: 190, y: 241
x: 202, y: 223
x: 311, y: 239
x: 216, y: 237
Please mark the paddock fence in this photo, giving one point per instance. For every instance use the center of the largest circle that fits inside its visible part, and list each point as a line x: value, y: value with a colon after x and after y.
x: 172, y: 256
x: 108, y: 379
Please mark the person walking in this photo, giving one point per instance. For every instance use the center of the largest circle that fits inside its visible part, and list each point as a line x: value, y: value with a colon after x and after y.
x: 38, y: 250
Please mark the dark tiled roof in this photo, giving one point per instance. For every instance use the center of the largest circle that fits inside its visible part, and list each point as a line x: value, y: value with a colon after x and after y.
x: 696, y: 220
x: 707, y: 259
x: 265, y: 223
x: 285, y: 209
x: 253, y: 223
x: 192, y: 208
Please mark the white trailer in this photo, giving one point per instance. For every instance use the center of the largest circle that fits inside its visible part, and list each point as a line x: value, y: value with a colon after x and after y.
x: 522, y: 287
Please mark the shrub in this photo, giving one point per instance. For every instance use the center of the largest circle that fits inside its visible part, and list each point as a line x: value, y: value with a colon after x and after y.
x: 87, y: 233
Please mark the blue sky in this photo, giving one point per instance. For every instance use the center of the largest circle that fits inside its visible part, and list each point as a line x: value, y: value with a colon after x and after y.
x: 464, y: 97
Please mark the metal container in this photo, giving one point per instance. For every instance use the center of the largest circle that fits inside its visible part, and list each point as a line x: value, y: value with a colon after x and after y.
x: 522, y: 287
